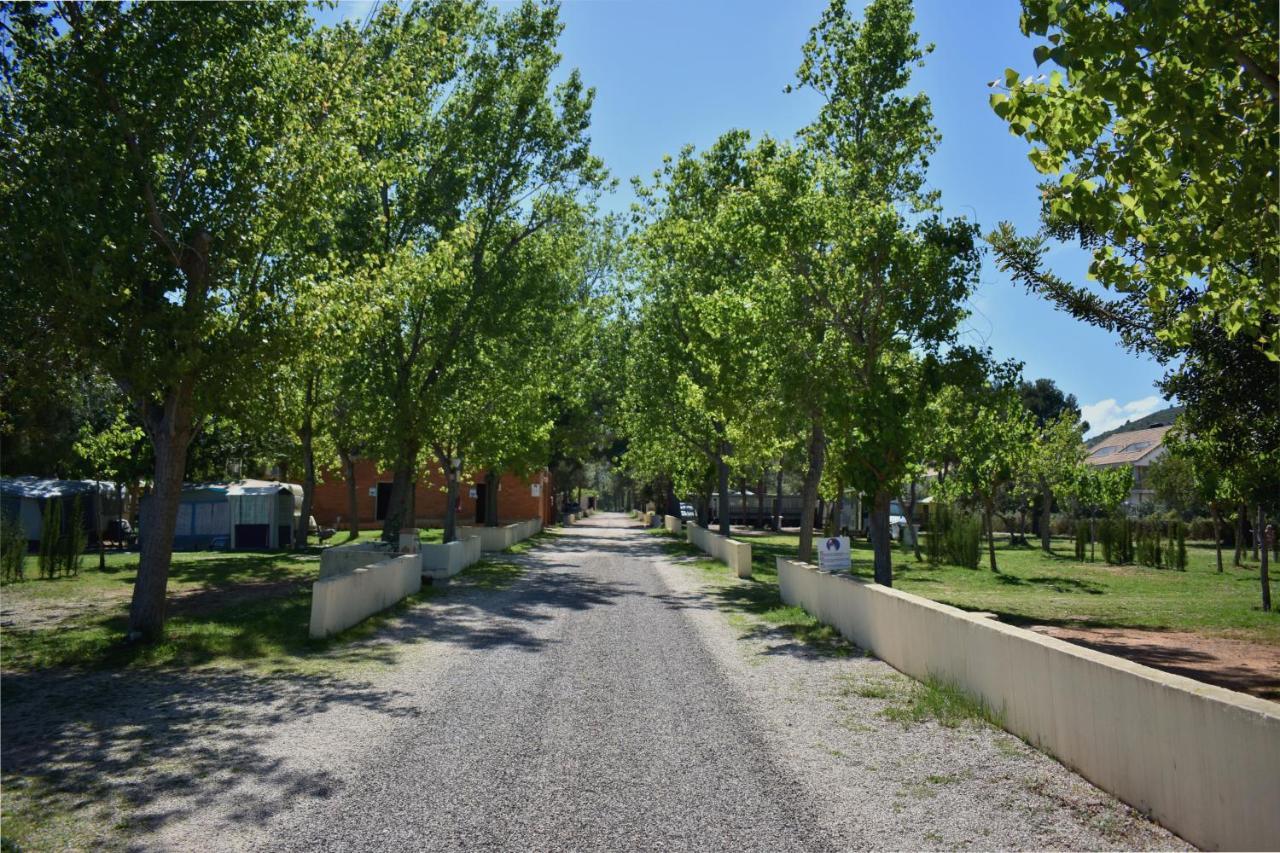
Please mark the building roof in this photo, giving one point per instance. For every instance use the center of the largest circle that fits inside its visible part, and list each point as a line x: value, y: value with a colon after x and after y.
x: 263, y: 487
x: 1127, y: 447
x: 43, y: 488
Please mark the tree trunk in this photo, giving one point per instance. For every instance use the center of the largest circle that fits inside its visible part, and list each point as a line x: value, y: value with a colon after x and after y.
x: 723, y: 481
x: 121, y: 544
x: 809, y: 488
x: 880, y: 540
x: 1257, y: 532
x: 451, y: 501
x: 400, y: 504
x: 1263, y: 569
x: 1046, y: 517
x: 491, y: 498
x: 1217, y: 533
x: 1093, y: 537
x: 911, y: 521
x: 837, y: 511
x: 102, y: 528
x: 170, y: 435
x: 991, y: 535
x: 308, y: 465
x: 673, y: 500
x: 777, y: 502
x: 353, y: 505
x: 761, y: 493
x: 1240, y: 516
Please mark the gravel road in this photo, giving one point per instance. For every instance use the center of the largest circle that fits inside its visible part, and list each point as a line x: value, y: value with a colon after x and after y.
x: 602, y: 701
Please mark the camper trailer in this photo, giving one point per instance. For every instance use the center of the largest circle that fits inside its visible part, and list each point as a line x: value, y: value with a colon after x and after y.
x: 245, y: 515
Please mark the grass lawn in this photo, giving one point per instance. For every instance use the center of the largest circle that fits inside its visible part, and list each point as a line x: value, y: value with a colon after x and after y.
x: 232, y: 608
x: 1033, y: 587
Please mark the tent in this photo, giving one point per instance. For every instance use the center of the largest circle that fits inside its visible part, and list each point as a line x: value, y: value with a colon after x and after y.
x: 202, y: 521
x: 263, y: 513
x: 23, y: 499
x: 249, y: 514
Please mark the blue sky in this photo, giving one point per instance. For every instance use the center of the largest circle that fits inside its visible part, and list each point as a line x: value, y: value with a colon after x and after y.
x: 671, y: 73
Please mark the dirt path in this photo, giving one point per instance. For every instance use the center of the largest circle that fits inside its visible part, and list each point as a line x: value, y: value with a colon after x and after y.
x: 1235, y: 664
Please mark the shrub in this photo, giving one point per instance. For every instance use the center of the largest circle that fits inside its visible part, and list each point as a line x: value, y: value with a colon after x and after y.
x: 964, y: 541
x: 74, y: 539
x: 1178, y: 546
x: 954, y: 538
x: 1082, y: 539
x: 13, y: 549
x: 50, y: 537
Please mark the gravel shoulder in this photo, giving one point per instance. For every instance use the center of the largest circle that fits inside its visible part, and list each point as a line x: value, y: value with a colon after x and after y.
x: 883, y: 784
x: 598, y: 701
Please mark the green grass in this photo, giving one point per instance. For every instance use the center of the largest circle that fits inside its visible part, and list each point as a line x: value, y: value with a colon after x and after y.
x: 226, y: 608
x: 757, y: 597
x: 425, y: 534
x: 941, y: 702
x: 1035, y: 588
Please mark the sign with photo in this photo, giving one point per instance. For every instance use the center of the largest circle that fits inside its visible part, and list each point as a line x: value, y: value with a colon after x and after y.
x: 471, y: 493
x: 833, y: 555
x: 537, y: 490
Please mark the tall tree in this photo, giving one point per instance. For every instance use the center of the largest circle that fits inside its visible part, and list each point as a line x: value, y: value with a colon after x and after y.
x: 467, y: 151
x: 867, y: 247
x: 1159, y: 141
x: 160, y: 162
x: 700, y: 324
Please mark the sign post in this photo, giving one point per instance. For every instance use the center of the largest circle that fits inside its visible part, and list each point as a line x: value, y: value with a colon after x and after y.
x: 833, y: 556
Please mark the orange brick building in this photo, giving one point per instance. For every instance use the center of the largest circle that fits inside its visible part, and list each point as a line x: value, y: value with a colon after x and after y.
x: 518, y: 498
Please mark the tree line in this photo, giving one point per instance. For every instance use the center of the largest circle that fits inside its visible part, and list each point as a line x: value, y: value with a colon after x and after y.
x: 798, y: 302
x: 298, y: 243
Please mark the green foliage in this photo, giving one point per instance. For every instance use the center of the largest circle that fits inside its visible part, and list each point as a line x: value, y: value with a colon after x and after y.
x: 945, y: 703
x: 74, y: 538
x: 954, y: 537
x: 63, y: 538
x: 1115, y: 535
x: 50, y: 538
x: 1173, y: 479
x: 1081, y: 539
x: 1158, y: 130
x: 13, y: 549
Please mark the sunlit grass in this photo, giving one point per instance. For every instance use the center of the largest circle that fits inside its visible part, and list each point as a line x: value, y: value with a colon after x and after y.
x: 1057, y: 589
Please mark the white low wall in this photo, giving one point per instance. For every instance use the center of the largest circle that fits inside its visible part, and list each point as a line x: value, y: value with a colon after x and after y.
x: 1202, y: 760
x: 341, y: 559
x: 504, y: 536
x: 341, y: 601
x: 445, y: 561
x: 672, y: 523
x: 737, y: 555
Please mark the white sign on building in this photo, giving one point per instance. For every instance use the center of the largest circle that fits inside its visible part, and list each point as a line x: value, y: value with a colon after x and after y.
x: 537, y: 490
x: 833, y: 555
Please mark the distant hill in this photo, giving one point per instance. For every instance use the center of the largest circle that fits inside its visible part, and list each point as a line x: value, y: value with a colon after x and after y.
x: 1164, y: 417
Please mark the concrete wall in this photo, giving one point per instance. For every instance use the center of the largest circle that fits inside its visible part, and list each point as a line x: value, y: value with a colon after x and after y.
x: 737, y: 555
x: 672, y: 524
x: 341, y: 559
x: 445, y: 561
x: 503, y: 537
x: 1202, y: 760
x: 343, y: 600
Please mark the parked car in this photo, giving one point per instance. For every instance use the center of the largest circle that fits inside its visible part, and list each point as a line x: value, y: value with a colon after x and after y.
x: 688, y: 513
